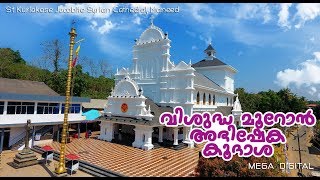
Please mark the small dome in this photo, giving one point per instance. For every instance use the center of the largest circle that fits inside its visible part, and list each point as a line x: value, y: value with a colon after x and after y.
x: 152, y: 33
x: 126, y: 87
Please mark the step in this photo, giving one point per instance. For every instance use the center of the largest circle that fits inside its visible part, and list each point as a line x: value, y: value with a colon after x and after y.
x: 84, y: 166
x: 91, y: 172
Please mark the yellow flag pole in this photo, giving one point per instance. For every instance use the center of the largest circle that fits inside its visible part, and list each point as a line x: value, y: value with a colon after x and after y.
x: 61, y: 166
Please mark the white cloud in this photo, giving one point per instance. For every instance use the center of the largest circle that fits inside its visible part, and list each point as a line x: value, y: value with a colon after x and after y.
x: 306, y: 12
x: 93, y: 24
x: 194, y: 47
x: 192, y: 34
x: 106, y: 27
x: 253, y: 11
x: 312, y: 39
x: 206, y: 39
x: 200, y: 12
x: 284, y: 15
x: 317, y: 55
x: 137, y: 20
x: 306, y: 74
x: 312, y: 90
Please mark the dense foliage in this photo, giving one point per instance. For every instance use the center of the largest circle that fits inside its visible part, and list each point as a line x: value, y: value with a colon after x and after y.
x: 13, y: 66
x: 281, y: 101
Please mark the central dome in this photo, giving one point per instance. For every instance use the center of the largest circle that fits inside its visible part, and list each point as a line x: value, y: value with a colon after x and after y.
x: 153, y: 33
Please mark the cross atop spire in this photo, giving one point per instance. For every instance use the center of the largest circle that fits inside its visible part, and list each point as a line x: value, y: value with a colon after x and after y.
x: 73, y: 23
x: 151, y: 20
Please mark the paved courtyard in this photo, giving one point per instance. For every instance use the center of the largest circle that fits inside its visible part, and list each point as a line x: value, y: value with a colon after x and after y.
x: 39, y: 170
x: 131, y: 161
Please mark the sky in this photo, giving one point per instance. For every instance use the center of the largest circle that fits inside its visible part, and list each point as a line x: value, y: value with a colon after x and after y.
x: 272, y: 45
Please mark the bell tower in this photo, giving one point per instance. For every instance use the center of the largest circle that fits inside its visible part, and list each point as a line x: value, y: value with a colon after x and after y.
x: 210, y: 52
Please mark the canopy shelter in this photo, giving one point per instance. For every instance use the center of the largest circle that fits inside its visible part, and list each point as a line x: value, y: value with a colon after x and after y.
x: 48, y: 154
x: 73, y: 162
x: 91, y: 116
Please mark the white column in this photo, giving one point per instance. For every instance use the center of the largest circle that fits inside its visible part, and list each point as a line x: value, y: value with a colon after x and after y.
x: 148, y: 138
x: 160, y: 139
x: 80, y: 108
x: 175, y: 136
x: 137, y: 138
x: 5, y: 107
x: 33, y: 136
x: 185, y: 134
x: 102, y: 130
x: 186, y: 131
x: 106, y: 131
x: 60, y: 107
x: 109, y: 131
x: 35, y: 108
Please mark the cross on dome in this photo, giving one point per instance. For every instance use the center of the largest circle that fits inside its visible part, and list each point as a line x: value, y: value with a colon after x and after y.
x: 151, y: 20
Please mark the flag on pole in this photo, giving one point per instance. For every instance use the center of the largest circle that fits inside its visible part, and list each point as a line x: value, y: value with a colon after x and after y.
x: 76, y: 58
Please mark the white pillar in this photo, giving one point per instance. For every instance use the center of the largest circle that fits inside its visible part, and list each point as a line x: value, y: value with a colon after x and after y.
x: 5, y: 107
x: 186, y: 131
x: 109, y: 131
x: 175, y: 136
x: 35, y: 108
x: 102, y: 130
x: 106, y: 131
x: 137, y: 137
x: 160, y: 139
x: 33, y: 136
x: 148, y: 138
x: 185, y: 134
x: 60, y: 107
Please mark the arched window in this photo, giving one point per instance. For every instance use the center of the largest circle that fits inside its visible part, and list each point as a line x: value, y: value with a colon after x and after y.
x: 214, y: 99
x: 209, y: 99
x: 198, y: 98
x: 227, y: 101
x: 204, y: 98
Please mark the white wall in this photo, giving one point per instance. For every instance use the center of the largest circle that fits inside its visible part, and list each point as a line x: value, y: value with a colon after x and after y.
x: 216, y: 75
x: 21, y: 119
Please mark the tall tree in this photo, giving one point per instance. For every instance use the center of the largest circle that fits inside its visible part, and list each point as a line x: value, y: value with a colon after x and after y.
x: 105, y: 68
x: 54, y: 53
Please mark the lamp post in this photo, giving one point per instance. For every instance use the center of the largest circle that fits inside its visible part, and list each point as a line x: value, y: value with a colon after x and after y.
x: 299, y: 150
x: 61, y: 166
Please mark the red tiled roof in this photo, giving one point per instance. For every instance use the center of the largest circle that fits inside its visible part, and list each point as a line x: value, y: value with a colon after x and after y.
x: 47, y: 148
x: 312, y: 105
x: 72, y: 157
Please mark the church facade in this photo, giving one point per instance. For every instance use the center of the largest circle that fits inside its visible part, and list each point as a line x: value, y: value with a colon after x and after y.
x: 154, y: 84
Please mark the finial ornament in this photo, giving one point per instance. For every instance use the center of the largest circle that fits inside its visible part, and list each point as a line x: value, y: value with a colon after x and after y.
x: 73, y: 23
x: 151, y: 20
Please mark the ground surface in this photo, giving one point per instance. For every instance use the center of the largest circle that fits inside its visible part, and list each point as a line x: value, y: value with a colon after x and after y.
x: 131, y: 161
x: 30, y: 171
x: 308, y: 155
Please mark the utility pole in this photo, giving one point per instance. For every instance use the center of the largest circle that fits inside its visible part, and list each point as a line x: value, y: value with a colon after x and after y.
x: 299, y: 150
x: 285, y: 152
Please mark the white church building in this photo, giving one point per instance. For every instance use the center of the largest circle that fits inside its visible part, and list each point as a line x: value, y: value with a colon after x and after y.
x: 154, y: 84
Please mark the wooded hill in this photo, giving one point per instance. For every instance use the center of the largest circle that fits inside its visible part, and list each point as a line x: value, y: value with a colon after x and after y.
x: 13, y: 66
